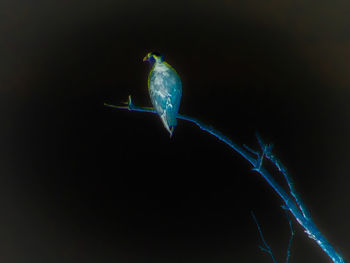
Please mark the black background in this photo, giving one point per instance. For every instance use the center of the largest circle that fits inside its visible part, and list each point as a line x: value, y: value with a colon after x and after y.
x: 85, y: 183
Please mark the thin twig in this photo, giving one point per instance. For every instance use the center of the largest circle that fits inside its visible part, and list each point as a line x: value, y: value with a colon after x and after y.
x: 266, y: 248
x: 291, y: 236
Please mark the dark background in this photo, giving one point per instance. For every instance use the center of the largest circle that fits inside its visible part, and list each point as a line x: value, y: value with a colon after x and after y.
x: 83, y: 183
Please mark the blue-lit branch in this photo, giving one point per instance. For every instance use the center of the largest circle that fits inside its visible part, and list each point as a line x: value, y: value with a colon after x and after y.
x: 266, y: 248
x: 292, y: 201
x: 291, y: 236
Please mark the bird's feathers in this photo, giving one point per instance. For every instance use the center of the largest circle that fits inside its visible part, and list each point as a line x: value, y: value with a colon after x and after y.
x: 165, y: 90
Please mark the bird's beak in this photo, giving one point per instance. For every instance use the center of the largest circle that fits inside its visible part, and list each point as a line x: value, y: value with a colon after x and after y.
x: 145, y: 58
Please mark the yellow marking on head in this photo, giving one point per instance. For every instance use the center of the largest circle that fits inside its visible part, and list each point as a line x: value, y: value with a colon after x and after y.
x: 147, y: 56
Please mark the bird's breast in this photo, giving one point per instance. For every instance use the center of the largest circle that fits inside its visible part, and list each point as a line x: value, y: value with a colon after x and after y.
x: 165, y: 90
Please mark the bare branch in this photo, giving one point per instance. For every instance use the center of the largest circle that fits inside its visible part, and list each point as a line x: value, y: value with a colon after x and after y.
x: 266, y: 248
x: 292, y: 202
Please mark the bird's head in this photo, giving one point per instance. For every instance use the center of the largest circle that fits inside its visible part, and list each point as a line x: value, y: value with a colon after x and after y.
x: 153, y: 57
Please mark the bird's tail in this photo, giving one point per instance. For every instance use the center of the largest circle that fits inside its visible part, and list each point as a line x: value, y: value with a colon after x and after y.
x: 171, y: 128
x: 169, y: 124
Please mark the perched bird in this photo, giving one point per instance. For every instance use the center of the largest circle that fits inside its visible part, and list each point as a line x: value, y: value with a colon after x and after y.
x: 165, y: 89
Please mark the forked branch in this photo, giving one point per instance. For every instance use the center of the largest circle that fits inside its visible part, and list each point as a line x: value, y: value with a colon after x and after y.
x: 292, y: 201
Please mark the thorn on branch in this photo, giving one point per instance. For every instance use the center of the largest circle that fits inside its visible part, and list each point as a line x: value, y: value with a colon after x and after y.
x: 260, y: 159
x: 130, y: 104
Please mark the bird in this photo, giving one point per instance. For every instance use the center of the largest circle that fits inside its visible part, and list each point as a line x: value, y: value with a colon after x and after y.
x: 165, y: 90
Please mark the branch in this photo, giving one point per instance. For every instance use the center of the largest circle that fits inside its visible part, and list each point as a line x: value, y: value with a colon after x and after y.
x: 267, y: 150
x: 131, y: 107
x: 266, y: 248
x: 291, y: 235
x: 292, y: 202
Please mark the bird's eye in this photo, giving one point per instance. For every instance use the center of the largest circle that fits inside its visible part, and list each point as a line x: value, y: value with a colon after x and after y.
x: 151, y: 59
x: 156, y: 54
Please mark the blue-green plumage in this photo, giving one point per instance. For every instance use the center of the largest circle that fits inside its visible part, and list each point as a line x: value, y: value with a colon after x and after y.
x: 165, y: 89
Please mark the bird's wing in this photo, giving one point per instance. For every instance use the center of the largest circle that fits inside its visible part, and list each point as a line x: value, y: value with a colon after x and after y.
x: 165, y: 91
x: 158, y: 94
